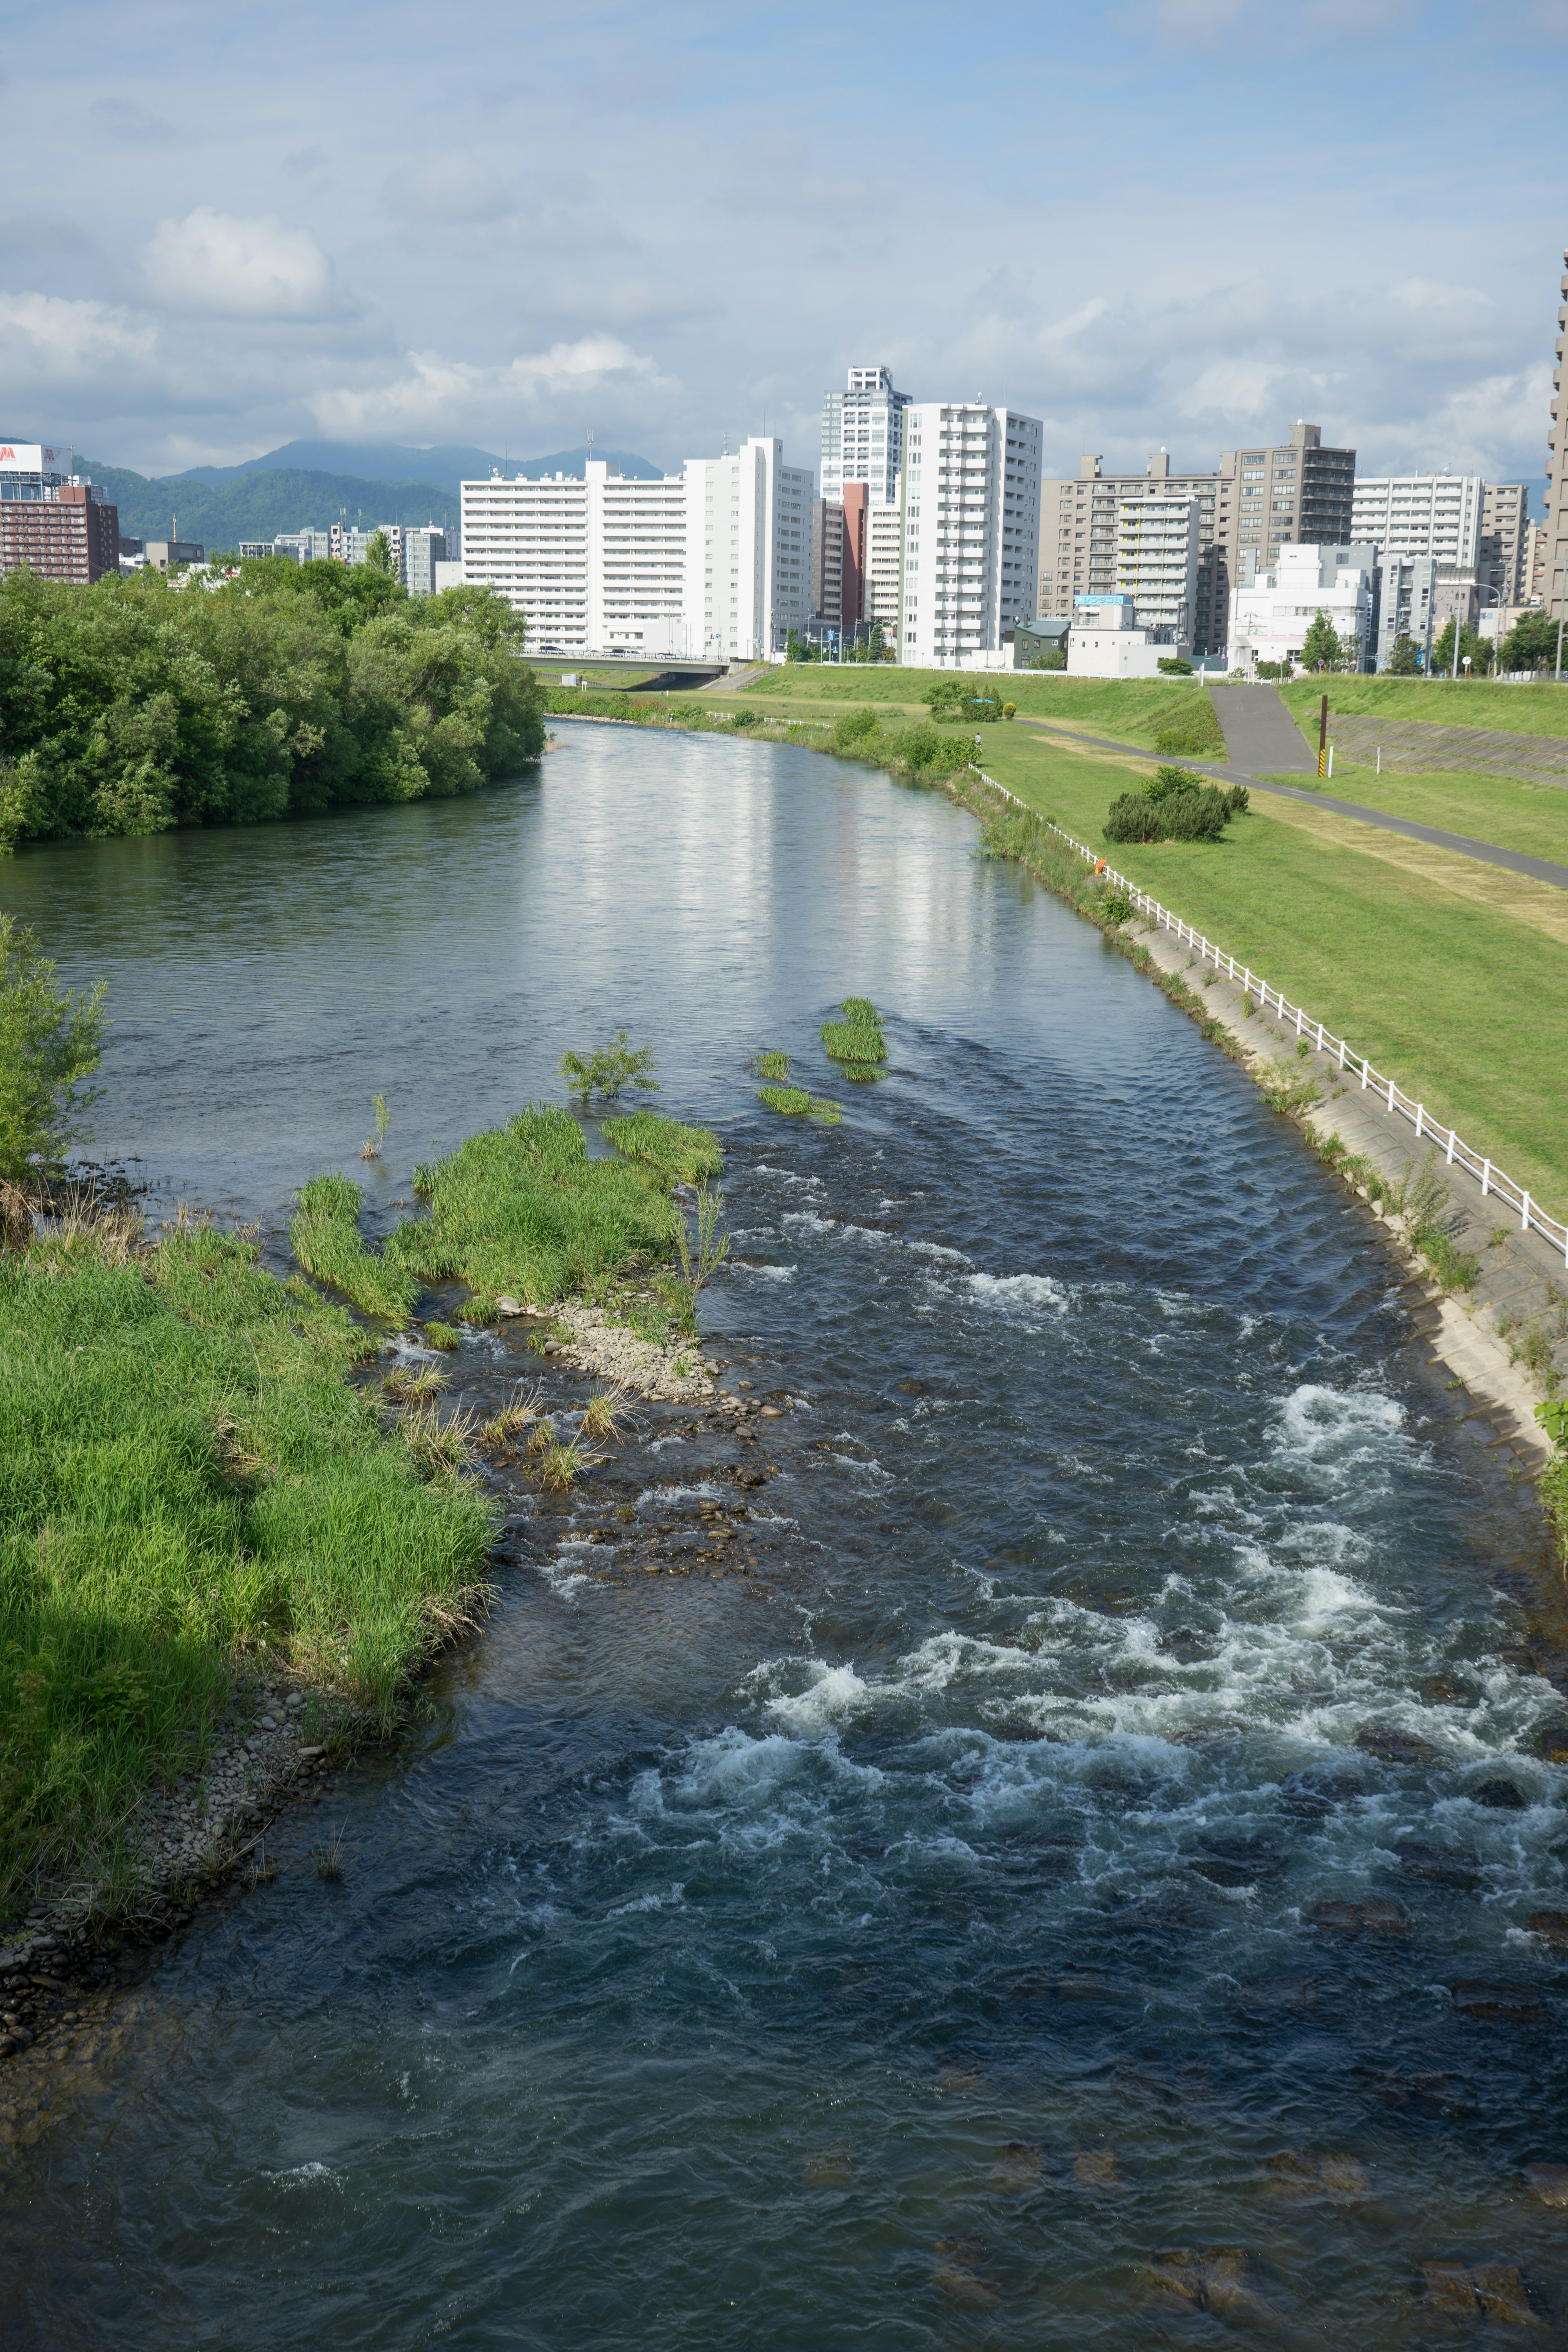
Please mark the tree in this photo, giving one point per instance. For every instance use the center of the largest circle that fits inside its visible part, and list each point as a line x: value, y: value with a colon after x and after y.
x: 1172, y: 665
x: 1404, y: 659
x: 1531, y: 643
x: 49, y: 1041
x: 378, y: 555
x: 1471, y: 646
x: 1320, y: 646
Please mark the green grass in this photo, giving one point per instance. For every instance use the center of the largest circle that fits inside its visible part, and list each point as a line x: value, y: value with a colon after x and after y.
x: 325, y: 1238
x: 794, y: 1102
x: 773, y: 1066
x: 855, y: 1041
x: 1508, y: 811
x: 1134, y: 710
x: 185, y: 1477
x: 1463, y: 1005
x: 522, y: 1210
x: 677, y: 1154
x: 1438, y: 702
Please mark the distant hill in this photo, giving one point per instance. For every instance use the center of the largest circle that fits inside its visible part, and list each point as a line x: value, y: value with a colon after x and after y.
x: 261, y: 505
x: 385, y: 461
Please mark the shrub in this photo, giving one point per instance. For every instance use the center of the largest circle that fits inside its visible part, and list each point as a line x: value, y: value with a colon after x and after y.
x: 1116, y: 906
x: 49, y: 1041
x: 1173, y: 665
x: 1181, y: 816
x: 615, y: 1065
x: 853, y: 730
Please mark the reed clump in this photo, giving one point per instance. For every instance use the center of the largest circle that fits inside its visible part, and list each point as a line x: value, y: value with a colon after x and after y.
x: 794, y: 1102
x: 773, y: 1066
x: 521, y: 1211
x: 190, y: 1480
x: 675, y: 1154
x: 858, y: 1040
x: 325, y: 1238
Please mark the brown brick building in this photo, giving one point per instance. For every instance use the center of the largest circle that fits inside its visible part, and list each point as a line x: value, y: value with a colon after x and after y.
x: 66, y: 534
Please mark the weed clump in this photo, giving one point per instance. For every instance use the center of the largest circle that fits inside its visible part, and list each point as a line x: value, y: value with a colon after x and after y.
x: 857, y: 1039
x: 325, y: 1238
x: 445, y: 1336
x: 522, y: 1210
x: 773, y: 1066
x: 794, y: 1102
x: 678, y: 1154
x: 610, y: 1071
x: 371, y: 1147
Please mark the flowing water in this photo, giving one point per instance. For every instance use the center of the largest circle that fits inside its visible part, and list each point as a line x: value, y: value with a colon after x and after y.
x: 907, y: 1942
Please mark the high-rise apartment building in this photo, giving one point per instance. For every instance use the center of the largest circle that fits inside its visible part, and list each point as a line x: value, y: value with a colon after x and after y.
x: 1551, y: 560
x: 972, y: 529
x: 424, y: 547
x: 1505, y: 525
x: 51, y: 520
x: 1298, y: 494
x: 862, y: 435
x: 884, y: 590
x: 597, y: 562
x: 748, y: 551
x: 1158, y: 554
x: 303, y: 546
x: 1079, y: 538
x: 1439, y: 515
x: 828, y: 560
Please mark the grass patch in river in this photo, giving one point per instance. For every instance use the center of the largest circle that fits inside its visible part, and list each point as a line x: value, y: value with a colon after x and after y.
x: 678, y: 1154
x: 187, y: 1478
x: 794, y: 1102
x: 521, y: 1209
x: 773, y: 1066
x: 325, y: 1236
x: 857, y: 1039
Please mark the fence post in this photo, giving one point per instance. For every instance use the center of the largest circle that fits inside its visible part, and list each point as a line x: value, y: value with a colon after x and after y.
x: 1341, y: 1053
x: 1524, y: 1214
x: 1420, y: 1115
x: 1365, y: 1069
x: 1298, y: 1021
x: 1450, y: 1152
x: 1486, y: 1178
x: 1391, y: 1094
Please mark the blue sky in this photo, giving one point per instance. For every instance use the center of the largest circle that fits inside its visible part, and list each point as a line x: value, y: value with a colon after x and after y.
x: 1178, y: 222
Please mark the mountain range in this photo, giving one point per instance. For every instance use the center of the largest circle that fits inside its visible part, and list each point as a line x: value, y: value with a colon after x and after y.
x: 221, y: 505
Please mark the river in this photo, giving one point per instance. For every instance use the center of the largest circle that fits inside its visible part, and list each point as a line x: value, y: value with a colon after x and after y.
x: 910, y: 1942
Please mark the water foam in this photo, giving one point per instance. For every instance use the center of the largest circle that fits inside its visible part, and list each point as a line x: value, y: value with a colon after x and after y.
x: 1015, y: 1294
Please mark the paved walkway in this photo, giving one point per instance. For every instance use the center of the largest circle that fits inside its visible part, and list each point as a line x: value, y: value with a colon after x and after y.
x: 1259, y: 733
x: 1539, y: 869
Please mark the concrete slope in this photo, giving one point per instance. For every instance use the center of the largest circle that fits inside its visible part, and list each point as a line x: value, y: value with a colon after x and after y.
x: 1259, y: 733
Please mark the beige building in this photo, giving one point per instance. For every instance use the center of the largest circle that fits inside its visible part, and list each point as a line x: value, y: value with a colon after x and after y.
x: 1505, y: 525
x: 1551, y: 559
x: 1157, y: 561
x: 1259, y: 501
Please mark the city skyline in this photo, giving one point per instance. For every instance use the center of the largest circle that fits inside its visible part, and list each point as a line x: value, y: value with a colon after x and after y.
x: 1152, y: 229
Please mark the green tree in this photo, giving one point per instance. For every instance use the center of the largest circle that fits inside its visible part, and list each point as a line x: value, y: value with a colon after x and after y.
x: 1403, y: 659
x: 378, y: 555
x: 49, y: 1041
x: 1531, y: 643
x: 1320, y: 646
x: 1471, y: 645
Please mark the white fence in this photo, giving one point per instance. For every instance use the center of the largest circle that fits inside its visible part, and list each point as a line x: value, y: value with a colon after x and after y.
x: 1456, y: 1152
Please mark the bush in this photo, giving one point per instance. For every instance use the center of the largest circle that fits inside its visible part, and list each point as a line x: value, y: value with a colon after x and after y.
x: 853, y: 730
x: 1173, y: 665
x: 619, y: 1064
x: 1179, y: 816
x: 49, y: 1041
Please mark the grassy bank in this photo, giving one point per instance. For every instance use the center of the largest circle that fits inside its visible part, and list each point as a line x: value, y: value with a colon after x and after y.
x: 1508, y: 811
x: 1438, y: 702
x: 1462, y: 1001
x: 1130, y: 710
x: 187, y: 1479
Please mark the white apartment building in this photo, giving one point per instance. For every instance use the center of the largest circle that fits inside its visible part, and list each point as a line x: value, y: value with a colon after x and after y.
x: 972, y: 530
x: 1437, y: 515
x: 1272, y: 613
x: 862, y: 435
x: 748, y: 552
x: 1159, y: 542
x: 596, y: 565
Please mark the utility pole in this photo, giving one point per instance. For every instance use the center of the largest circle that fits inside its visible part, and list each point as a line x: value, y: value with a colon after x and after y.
x: 1322, y: 733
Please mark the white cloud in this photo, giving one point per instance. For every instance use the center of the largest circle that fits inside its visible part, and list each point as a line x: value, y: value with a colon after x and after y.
x: 48, y: 343
x: 438, y: 393
x: 239, y: 269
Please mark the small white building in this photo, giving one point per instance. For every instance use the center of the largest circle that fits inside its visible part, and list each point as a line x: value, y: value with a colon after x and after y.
x: 1106, y: 640
x: 971, y: 486
x: 1271, y: 611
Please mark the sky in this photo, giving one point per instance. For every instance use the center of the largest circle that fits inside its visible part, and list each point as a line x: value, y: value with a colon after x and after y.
x: 1178, y: 224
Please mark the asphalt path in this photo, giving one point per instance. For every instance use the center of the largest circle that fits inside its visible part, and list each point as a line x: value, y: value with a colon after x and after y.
x: 1539, y: 869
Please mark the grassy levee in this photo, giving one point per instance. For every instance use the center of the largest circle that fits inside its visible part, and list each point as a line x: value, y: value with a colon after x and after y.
x: 1509, y: 812
x: 1438, y: 702
x: 1130, y: 709
x: 325, y: 1238
x: 522, y: 1210
x: 186, y: 1477
x: 677, y: 1154
x: 1461, y: 999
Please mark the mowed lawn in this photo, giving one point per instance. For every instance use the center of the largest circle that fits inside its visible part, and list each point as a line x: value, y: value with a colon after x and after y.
x: 1436, y: 702
x: 1502, y: 810
x: 1463, y: 1002
x: 1128, y: 709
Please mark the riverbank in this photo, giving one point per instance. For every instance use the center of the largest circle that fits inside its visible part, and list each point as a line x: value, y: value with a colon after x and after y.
x: 212, y: 1519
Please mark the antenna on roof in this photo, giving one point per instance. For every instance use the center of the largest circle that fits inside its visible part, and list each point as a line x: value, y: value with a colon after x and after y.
x: 590, y: 458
